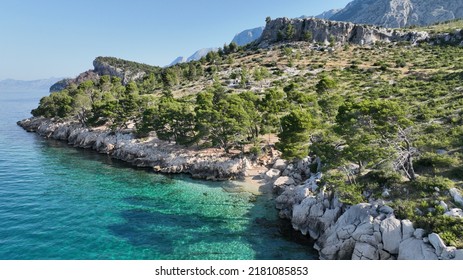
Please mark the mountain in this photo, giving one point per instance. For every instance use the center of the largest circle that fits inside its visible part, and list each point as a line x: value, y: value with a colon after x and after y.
x: 400, y: 13
x: 328, y: 14
x: 247, y: 36
x: 178, y: 60
x: 35, y: 85
x: 194, y: 57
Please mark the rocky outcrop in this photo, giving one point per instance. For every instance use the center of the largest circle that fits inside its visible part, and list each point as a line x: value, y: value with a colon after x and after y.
x: 126, y: 70
x: 367, y: 231
x: 325, y: 31
x: 153, y: 153
x: 400, y: 13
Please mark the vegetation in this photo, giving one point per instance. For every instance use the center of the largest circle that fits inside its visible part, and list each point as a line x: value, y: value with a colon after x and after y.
x: 383, y: 118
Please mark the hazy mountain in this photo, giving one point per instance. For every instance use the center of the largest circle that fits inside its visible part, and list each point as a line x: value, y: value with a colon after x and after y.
x: 328, y: 14
x: 400, y: 13
x: 247, y: 36
x: 35, y: 85
x: 194, y: 57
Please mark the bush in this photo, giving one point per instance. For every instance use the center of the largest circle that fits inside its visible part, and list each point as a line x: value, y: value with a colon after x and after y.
x: 428, y: 184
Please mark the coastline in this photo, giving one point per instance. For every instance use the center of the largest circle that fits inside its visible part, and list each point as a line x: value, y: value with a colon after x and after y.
x: 367, y: 231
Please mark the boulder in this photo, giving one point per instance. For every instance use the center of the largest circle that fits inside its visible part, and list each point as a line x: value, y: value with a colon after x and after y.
x: 272, y: 174
x: 282, y: 182
x: 448, y: 253
x: 416, y: 249
x: 455, y: 212
x: 455, y: 193
x: 459, y: 255
x: 391, y: 231
x: 365, y: 251
x: 407, y: 229
x: 280, y: 164
x: 419, y: 233
x: 386, y: 210
x: 444, y: 205
x: 437, y: 243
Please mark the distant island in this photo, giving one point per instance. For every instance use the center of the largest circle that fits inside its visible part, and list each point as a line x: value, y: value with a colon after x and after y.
x: 357, y: 129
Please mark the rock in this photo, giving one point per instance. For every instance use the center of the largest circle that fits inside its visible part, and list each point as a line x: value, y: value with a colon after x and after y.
x: 364, y: 251
x: 280, y: 164
x: 455, y: 212
x: 282, y: 182
x: 437, y: 243
x: 459, y: 255
x: 386, y: 210
x: 301, y: 213
x: 419, y: 233
x: 407, y: 229
x: 391, y: 231
x: 444, y: 205
x: 416, y: 249
x: 342, y: 32
x: 455, y: 193
x: 448, y: 253
x: 272, y: 174
x: 385, y: 194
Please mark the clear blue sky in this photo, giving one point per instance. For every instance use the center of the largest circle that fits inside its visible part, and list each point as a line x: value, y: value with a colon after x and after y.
x: 60, y: 38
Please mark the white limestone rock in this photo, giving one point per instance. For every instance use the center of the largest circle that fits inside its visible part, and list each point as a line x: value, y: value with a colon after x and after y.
x: 391, y: 230
x: 437, y: 242
x: 365, y: 251
x: 407, y: 229
x: 416, y: 249
x: 459, y: 255
x: 272, y: 174
x: 455, y: 193
x: 419, y: 233
x: 455, y: 212
x: 280, y: 164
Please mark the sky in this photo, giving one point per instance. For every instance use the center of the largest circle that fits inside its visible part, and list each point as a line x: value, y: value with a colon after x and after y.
x: 61, y: 38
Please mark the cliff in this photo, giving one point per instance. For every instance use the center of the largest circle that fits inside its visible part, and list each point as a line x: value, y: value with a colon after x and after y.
x: 400, y: 13
x: 152, y: 153
x: 325, y: 31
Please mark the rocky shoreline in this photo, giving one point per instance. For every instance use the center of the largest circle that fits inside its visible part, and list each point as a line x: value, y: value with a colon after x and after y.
x: 148, y: 152
x: 367, y: 231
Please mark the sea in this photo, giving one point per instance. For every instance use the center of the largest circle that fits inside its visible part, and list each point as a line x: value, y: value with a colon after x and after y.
x: 58, y: 202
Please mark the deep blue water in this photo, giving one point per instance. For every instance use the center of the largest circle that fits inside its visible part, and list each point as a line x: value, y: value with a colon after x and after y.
x: 58, y: 202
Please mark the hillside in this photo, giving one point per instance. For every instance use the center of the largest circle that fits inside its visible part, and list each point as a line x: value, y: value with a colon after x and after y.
x: 383, y: 116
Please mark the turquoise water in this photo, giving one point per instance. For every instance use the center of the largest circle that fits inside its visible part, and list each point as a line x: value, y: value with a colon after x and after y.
x: 58, y: 202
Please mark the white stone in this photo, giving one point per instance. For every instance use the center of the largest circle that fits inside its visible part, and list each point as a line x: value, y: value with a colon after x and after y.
x: 437, y: 242
x: 386, y: 210
x: 365, y: 251
x: 459, y: 255
x: 455, y: 212
x: 415, y: 249
x: 444, y: 205
x: 419, y: 233
x: 448, y: 253
x: 280, y: 164
x: 455, y: 193
x: 284, y: 181
x: 407, y: 229
x: 272, y: 174
x: 391, y: 231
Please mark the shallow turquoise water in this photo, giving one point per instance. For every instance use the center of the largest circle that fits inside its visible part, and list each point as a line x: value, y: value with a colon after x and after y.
x: 57, y: 202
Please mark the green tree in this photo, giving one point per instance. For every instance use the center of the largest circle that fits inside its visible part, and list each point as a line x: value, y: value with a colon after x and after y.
x: 290, y: 32
x: 295, y: 134
x: 325, y: 84
x: 57, y: 104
